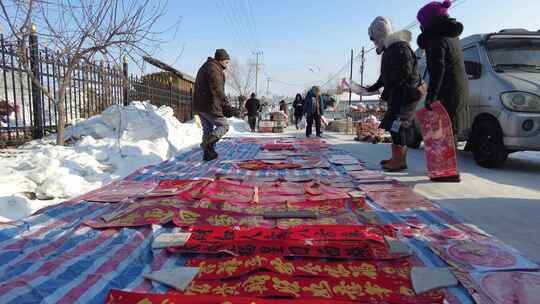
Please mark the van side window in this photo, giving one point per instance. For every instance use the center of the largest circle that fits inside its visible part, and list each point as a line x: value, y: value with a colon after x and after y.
x: 473, y: 66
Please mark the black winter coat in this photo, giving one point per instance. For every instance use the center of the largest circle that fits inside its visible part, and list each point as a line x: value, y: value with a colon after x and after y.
x: 209, y: 93
x: 447, y: 77
x: 298, y: 106
x: 253, y: 105
x: 400, y: 78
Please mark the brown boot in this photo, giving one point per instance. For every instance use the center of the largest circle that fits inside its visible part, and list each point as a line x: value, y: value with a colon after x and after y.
x: 399, y: 163
x: 383, y: 162
x: 208, y: 147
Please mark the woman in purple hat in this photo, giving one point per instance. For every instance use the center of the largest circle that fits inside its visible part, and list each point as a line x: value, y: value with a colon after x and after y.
x: 447, y: 78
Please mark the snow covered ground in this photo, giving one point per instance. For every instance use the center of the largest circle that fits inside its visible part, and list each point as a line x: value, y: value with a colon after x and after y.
x: 105, y: 147
x: 504, y: 202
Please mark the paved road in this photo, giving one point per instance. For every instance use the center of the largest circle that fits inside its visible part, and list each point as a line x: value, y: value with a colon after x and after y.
x: 504, y: 202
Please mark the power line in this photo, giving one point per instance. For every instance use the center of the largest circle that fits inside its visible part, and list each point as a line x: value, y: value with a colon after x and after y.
x: 229, y: 20
x: 243, y: 10
x: 231, y: 10
x: 257, y: 71
x: 253, y: 20
x: 237, y: 19
x: 410, y: 26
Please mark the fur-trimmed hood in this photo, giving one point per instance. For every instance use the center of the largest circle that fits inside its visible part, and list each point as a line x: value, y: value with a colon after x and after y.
x: 400, y: 36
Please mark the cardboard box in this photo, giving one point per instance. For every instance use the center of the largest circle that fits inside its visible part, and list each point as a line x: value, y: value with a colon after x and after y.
x: 280, y: 124
x: 265, y: 130
x: 266, y: 124
x: 277, y: 130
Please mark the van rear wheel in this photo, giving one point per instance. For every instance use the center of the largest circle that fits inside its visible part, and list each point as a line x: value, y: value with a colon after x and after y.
x: 488, y: 147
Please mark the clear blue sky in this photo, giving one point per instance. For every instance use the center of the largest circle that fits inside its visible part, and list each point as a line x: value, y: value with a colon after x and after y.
x: 299, y: 35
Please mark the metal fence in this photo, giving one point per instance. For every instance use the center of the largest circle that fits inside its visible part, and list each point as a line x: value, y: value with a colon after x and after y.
x: 164, y: 89
x: 27, y: 112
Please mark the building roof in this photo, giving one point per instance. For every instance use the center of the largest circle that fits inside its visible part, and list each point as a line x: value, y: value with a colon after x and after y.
x: 162, y: 65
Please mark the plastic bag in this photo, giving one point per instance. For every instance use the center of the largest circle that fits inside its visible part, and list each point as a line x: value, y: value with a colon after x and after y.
x: 302, y: 124
x: 324, y: 121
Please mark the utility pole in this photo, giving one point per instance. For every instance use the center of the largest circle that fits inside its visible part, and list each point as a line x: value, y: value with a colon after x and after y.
x: 257, y: 71
x: 362, y: 69
x: 350, y: 78
x: 268, y: 86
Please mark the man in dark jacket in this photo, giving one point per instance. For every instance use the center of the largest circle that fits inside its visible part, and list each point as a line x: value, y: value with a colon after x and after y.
x: 210, y: 102
x: 447, y: 77
x: 400, y: 79
x: 253, y: 106
x: 313, y: 109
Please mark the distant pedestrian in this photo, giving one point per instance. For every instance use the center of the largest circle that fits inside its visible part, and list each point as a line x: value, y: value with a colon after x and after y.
x: 447, y: 77
x: 298, y: 106
x: 400, y: 79
x: 283, y: 107
x: 253, y: 107
x: 210, y: 102
x: 313, y: 109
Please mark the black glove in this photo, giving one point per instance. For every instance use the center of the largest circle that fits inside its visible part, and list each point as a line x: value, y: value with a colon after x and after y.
x: 428, y: 103
x: 227, y: 110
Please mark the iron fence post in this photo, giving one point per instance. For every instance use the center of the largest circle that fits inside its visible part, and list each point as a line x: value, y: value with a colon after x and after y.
x: 171, y: 92
x: 125, y: 80
x: 36, y: 91
x: 191, y: 103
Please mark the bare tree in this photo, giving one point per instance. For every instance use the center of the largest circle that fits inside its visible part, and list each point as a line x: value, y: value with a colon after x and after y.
x: 240, y: 78
x: 81, y: 31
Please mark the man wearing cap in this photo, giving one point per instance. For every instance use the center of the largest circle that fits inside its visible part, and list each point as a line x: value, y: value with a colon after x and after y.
x: 313, y: 109
x: 253, y: 107
x: 210, y: 102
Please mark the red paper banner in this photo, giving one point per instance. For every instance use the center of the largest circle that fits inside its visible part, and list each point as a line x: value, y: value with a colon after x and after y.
x: 319, y: 249
x: 278, y: 147
x: 401, y: 200
x: 218, y: 269
x: 204, y: 212
x: 163, y: 210
x: 124, y: 297
x: 224, y: 191
x: 186, y: 189
x: 200, y: 217
x: 316, y: 232
x: 342, y: 218
x: 141, y: 216
x: 266, y: 165
x: 118, y: 191
x: 355, y: 242
x: 378, y: 288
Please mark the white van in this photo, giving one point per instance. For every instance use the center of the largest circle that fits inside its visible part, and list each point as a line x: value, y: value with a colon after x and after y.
x: 504, y: 79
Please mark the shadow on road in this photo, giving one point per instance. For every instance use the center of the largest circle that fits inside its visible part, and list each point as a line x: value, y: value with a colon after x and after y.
x: 515, y: 221
x: 518, y: 172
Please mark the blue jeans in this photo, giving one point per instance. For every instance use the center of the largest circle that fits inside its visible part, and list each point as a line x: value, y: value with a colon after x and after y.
x: 213, y: 125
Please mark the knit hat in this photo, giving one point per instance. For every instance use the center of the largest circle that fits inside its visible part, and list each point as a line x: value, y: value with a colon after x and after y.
x: 432, y: 10
x: 379, y: 29
x: 221, y: 55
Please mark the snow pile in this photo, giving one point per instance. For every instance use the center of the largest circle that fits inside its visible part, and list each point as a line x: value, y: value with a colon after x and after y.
x: 107, y: 146
x: 237, y: 128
